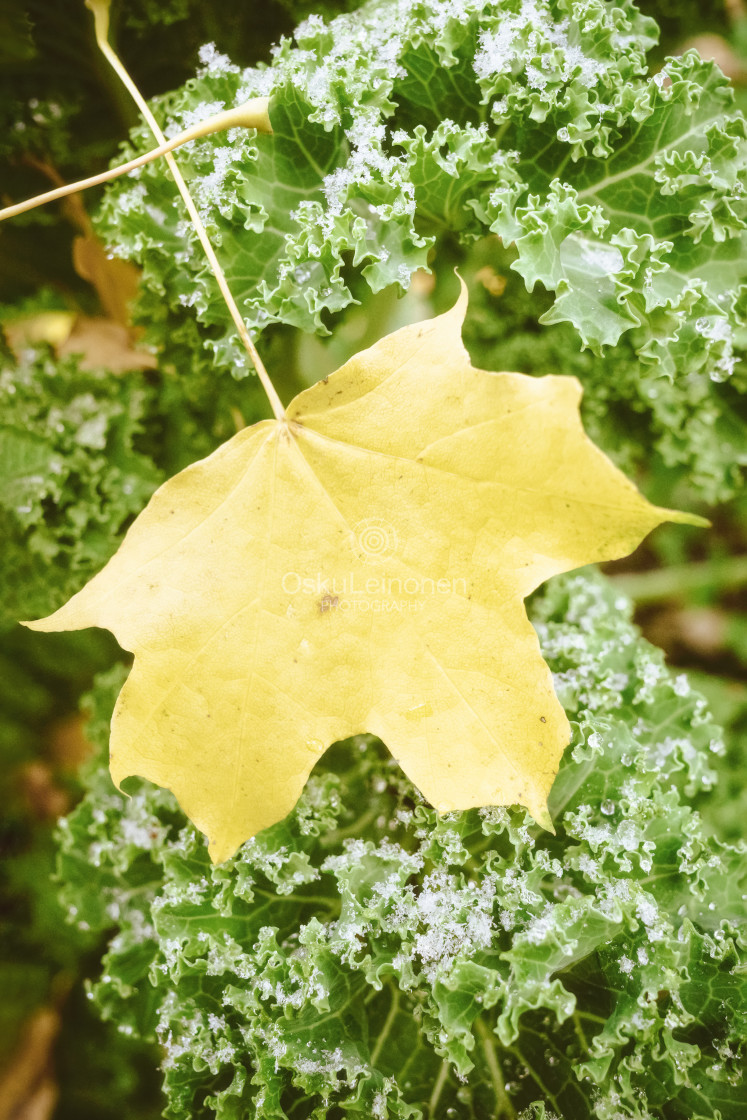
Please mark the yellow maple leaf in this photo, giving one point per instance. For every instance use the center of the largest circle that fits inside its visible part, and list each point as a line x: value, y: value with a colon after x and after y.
x: 361, y: 566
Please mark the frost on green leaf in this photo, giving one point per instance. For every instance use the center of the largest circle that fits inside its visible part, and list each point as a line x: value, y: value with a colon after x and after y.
x: 81, y: 452
x: 619, y: 191
x: 72, y: 476
x: 367, y: 958
x: 696, y: 425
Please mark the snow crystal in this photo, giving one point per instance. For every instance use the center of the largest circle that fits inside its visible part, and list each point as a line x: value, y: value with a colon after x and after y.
x: 256, y: 83
x: 539, y: 929
x: 629, y: 835
x: 145, y: 832
x: 189, y: 299
x: 530, y: 34
x: 211, y: 186
x: 496, y: 49
x: 335, y: 186
x: 189, y: 117
x: 455, y: 921
x: 403, y: 275
x: 329, y: 1061
x: 535, y: 78
x: 379, y: 1107
x: 598, y: 836
x: 681, y: 685
x: 215, y: 63
x: 507, y: 919
x: 619, y: 888
x: 588, y: 865
x: 647, y: 911
x: 495, y: 815
x: 308, y: 28
x: 132, y: 199
x: 718, y: 331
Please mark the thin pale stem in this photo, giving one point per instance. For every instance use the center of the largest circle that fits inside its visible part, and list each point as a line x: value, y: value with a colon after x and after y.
x: 671, y: 583
x: 101, y: 17
x: 386, y: 1029
x: 438, y: 1087
x: 505, y: 1107
x: 253, y: 114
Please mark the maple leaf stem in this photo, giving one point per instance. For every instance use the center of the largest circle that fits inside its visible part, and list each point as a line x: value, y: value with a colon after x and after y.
x: 252, y: 114
x: 100, y: 9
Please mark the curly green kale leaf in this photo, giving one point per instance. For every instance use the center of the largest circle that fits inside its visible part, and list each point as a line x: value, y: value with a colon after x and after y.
x: 695, y: 425
x: 81, y: 452
x: 366, y: 957
x: 537, y: 120
x: 72, y: 476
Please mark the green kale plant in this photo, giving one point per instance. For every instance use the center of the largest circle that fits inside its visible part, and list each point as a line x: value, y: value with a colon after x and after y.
x: 366, y: 957
x: 81, y: 452
x: 618, y: 192
x: 72, y: 475
x: 369, y: 958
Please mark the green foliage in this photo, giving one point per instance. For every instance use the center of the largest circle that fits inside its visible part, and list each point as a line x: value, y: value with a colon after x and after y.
x: 368, y: 958
x: 80, y: 454
x: 72, y: 476
x: 365, y: 958
x: 728, y: 701
x: 622, y: 193
x: 62, y: 110
x: 41, y: 957
x: 695, y: 425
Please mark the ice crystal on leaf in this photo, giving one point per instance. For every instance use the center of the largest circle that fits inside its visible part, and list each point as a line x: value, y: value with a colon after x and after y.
x: 364, y: 950
x: 622, y: 192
